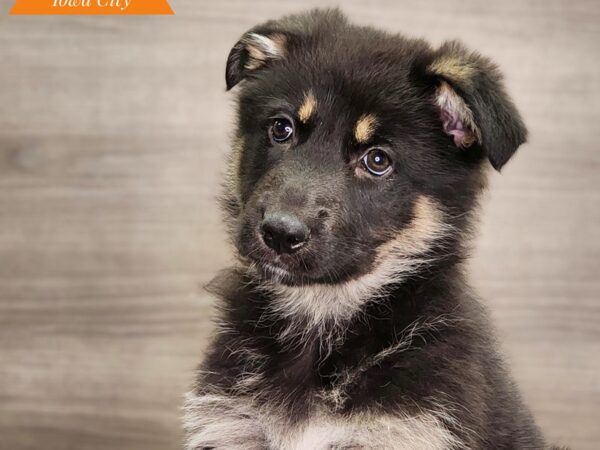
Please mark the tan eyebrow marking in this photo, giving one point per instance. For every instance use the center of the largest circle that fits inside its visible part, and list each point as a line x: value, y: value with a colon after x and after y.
x: 365, y: 127
x: 309, y: 105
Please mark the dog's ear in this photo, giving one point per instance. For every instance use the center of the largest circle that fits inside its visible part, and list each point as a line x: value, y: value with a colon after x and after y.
x: 253, y: 51
x: 473, y: 105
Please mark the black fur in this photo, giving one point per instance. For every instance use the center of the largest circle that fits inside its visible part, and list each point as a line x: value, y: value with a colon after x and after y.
x: 451, y: 358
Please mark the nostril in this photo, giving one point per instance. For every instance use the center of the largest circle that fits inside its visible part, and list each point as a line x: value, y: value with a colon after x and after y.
x: 323, y: 214
x: 266, y: 232
x: 261, y: 210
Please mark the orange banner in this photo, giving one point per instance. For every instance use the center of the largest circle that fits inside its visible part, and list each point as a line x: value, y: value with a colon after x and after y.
x: 91, y: 7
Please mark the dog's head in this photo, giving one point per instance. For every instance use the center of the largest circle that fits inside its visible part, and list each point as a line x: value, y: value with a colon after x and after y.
x: 356, y: 149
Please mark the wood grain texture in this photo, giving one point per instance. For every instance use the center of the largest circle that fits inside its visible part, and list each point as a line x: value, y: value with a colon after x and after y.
x: 113, y: 135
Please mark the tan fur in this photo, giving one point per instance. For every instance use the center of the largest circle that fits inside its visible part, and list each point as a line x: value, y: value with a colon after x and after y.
x: 308, y: 108
x: 235, y: 156
x: 364, y: 128
x: 280, y: 41
x: 261, y: 48
x: 454, y: 68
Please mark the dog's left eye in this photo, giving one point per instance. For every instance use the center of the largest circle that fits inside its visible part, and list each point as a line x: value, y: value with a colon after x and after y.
x: 377, y: 162
x: 281, y: 130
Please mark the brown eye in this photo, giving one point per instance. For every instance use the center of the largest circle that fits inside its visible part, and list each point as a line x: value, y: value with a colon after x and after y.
x: 281, y: 130
x: 377, y: 162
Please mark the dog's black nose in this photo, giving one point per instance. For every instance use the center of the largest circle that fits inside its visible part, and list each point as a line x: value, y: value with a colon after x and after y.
x: 284, y: 233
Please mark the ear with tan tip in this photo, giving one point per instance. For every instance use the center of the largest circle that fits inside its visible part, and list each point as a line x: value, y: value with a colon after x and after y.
x: 473, y: 104
x: 254, y: 50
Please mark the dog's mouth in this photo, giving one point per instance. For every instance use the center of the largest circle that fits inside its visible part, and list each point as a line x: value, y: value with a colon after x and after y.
x: 289, y: 269
x: 275, y: 270
x: 277, y: 274
x: 284, y: 269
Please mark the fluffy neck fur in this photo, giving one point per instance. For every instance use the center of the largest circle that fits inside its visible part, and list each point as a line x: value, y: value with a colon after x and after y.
x: 424, y: 346
x: 404, y: 316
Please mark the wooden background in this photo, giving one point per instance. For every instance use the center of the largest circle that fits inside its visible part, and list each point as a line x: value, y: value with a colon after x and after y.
x: 113, y: 134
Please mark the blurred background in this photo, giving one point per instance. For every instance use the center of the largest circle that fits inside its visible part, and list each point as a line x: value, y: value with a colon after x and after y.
x: 113, y: 137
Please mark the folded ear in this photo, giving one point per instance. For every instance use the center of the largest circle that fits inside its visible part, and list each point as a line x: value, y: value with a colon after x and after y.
x: 254, y: 50
x: 473, y: 103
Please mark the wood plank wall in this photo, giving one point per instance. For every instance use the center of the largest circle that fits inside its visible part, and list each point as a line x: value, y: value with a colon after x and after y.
x: 113, y: 135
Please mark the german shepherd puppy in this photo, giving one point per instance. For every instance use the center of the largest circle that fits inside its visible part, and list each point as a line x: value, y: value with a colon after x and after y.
x: 357, y: 164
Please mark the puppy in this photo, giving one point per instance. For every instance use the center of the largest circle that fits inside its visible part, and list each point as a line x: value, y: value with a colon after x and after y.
x: 356, y: 169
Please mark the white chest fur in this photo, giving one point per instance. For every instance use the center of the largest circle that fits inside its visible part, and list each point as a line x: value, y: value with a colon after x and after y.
x: 322, y: 432
x: 234, y: 424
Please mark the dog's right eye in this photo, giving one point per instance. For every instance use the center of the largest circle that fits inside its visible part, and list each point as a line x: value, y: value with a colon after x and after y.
x: 281, y: 130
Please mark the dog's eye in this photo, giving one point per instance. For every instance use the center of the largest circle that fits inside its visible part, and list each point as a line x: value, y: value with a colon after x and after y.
x: 281, y: 130
x: 377, y: 162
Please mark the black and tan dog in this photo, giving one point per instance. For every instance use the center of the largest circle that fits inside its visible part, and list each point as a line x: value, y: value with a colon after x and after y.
x: 357, y: 165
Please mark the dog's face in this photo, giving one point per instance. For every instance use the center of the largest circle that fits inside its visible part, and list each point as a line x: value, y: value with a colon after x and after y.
x: 356, y: 148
